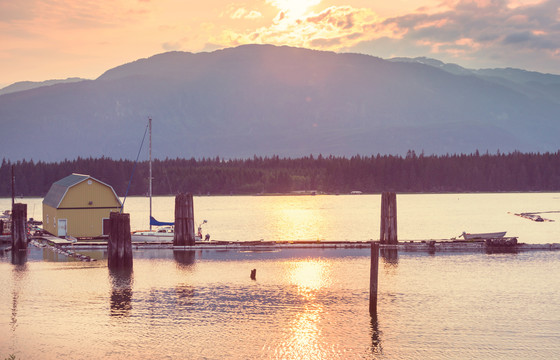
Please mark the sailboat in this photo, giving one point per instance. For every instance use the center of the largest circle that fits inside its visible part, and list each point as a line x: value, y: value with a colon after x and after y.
x: 164, y: 231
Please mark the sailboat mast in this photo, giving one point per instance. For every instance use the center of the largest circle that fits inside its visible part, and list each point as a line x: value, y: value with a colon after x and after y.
x: 150, y: 182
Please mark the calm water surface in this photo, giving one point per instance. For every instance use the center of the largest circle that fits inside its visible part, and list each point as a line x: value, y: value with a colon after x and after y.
x: 304, y: 303
x: 351, y: 217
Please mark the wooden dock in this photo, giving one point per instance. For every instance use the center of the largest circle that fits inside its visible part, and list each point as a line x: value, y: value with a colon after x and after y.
x: 431, y: 245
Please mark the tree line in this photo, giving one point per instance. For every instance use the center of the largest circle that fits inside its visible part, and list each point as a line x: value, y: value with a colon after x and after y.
x: 474, y: 172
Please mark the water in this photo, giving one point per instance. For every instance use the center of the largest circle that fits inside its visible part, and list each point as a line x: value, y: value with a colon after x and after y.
x: 352, y: 217
x: 304, y: 303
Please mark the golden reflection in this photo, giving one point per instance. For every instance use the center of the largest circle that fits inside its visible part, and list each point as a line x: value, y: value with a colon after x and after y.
x: 309, y: 275
x: 296, y: 219
x: 304, y: 341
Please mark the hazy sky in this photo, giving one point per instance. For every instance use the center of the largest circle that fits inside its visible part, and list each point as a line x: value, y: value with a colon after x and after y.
x: 54, y: 39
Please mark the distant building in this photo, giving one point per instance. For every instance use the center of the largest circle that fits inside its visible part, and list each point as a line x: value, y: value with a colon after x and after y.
x: 79, y: 206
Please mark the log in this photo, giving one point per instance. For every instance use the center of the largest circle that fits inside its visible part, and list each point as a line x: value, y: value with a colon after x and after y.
x: 119, y: 244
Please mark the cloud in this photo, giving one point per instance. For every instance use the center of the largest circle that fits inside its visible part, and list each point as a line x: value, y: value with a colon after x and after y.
x: 332, y: 28
x: 242, y: 13
x: 485, y: 28
x: 496, y: 31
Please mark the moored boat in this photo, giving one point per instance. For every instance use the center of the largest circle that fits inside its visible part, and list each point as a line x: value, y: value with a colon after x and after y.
x: 493, y: 235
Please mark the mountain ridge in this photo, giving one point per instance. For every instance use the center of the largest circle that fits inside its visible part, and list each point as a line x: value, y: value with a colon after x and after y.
x: 268, y: 100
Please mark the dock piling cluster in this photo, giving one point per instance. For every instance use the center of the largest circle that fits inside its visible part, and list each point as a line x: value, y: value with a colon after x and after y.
x: 184, y: 220
x: 19, y: 227
x: 119, y: 244
x: 388, y: 233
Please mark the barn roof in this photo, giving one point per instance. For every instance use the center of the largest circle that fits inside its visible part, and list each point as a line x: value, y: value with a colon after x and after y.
x: 59, y: 188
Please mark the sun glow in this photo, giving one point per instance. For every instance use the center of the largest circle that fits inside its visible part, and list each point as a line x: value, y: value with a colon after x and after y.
x: 294, y: 8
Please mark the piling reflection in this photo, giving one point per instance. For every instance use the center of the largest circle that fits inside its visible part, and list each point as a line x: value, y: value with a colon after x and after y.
x: 185, y: 296
x: 184, y: 259
x: 121, y: 292
x: 19, y: 273
x: 390, y: 257
x: 376, y: 348
x: 19, y: 257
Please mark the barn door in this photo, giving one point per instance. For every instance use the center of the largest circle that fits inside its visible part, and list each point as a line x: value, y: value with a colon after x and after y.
x: 62, y: 227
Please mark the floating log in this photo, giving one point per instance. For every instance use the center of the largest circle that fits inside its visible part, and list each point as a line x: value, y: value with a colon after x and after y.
x: 19, y: 227
x: 184, y: 221
x: 373, y: 275
x: 388, y: 233
x: 119, y: 244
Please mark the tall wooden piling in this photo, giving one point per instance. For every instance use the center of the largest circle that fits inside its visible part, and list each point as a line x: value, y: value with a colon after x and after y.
x: 388, y: 233
x: 119, y: 245
x: 19, y: 227
x: 184, y: 220
x: 373, y: 275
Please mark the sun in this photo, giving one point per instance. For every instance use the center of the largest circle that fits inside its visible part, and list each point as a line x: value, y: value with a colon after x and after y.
x: 294, y: 8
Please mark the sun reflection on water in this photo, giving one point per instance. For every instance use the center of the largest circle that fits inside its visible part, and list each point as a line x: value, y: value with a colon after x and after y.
x: 309, y: 275
x: 297, y: 218
x: 303, y: 337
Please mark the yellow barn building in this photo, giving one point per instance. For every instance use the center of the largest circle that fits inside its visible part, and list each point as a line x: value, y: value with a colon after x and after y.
x: 79, y: 206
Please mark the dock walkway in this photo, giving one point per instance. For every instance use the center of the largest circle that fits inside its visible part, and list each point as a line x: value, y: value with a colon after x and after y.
x: 440, y: 245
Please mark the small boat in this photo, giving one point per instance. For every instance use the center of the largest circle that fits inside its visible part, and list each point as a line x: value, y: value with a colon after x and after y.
x: 494, y: 235
x: 162, y: 234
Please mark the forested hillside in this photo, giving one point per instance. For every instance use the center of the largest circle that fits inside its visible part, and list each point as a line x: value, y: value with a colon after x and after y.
x: 337, y: 175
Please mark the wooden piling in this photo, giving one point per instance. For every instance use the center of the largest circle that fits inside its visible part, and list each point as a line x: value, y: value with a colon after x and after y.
x: 254, y: 274
x: 388, y: 233
x: 184, y: 221
x: 119, y: 245
x: 19, y: 227
x: 373, y: 279
x: 1, y: 227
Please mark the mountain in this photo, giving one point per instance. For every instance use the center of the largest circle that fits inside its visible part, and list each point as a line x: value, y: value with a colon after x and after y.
x: 531, y: 83
x: 265, y: 100
x: 28, y: 85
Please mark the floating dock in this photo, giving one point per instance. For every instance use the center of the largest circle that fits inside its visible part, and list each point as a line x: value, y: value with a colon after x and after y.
x: 441, y: 245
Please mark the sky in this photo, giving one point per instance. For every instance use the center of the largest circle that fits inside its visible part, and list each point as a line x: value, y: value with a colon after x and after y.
x: 57, y: 39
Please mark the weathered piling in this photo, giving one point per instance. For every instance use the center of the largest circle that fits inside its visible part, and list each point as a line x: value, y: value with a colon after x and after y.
x: 388, y: 233
x: 184, y: 220
x: 19, y: 227
x: 1, y: 227
x: 254, y: 274
x: 373, y: 275
x: 119, y: 245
